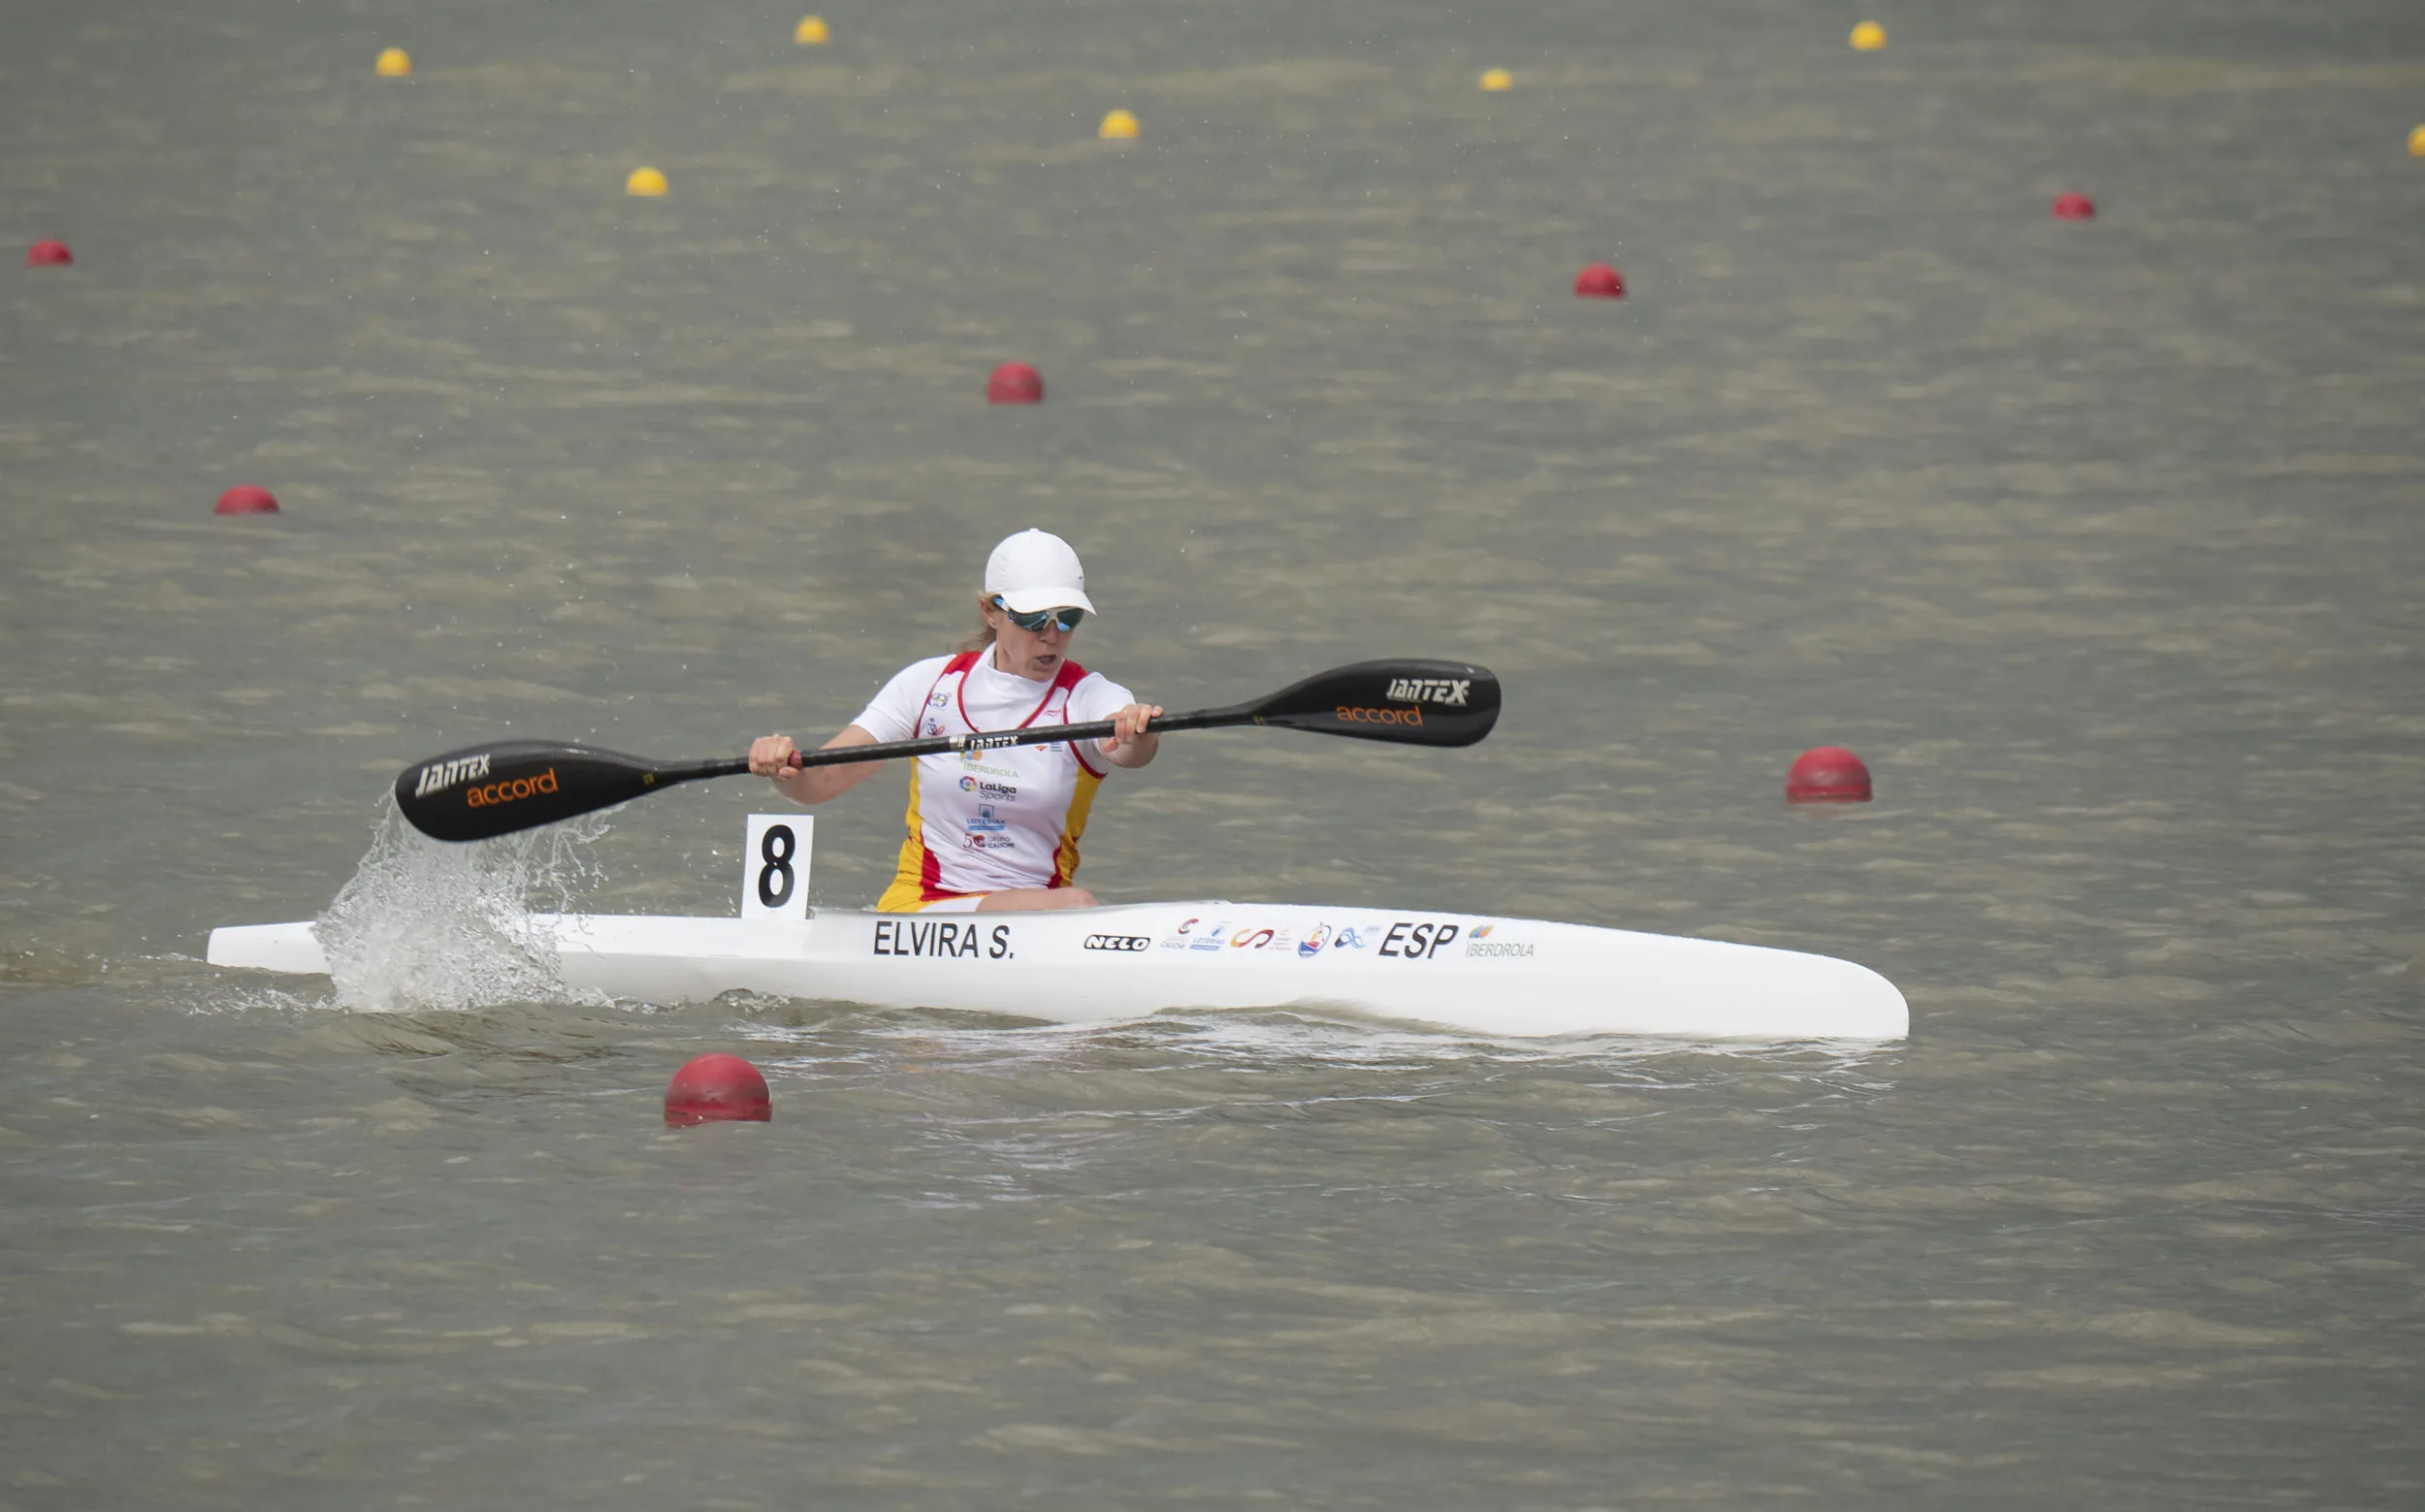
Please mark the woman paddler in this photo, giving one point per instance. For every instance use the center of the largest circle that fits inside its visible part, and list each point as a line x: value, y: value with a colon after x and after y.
x: 995, y: 829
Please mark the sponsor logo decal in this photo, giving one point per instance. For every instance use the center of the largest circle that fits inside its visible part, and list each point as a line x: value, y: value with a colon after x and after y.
x: 1411, y: 941
x: 999, y: 793
x: 986, y: 822
x: 934, y: 726
x: 1479, y: 946
x: 1348, y: 716
x: 939, y: 938
x: 438, y: 775
x: 937, y: 699
x: 1209, y: 940
x: 1251, y: 936
x: 512, y: 790
x: 977, y: 842
x: 1449, y: 692
x: 1315, y: 937
x: 1125, y: 942
x: 1351, y: 940
x: 970, y: 763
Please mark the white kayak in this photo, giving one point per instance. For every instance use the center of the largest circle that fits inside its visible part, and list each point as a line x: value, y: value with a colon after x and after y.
x: 1462, y: 972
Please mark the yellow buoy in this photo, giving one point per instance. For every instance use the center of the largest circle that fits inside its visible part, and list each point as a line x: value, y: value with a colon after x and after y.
x: 810, y: 32
x: 1496, y: 79
x: 2416, y: 143
x: 1868, y: 37
x: 646, y: 182
x: 1118, y: 126
x: 394, y: 63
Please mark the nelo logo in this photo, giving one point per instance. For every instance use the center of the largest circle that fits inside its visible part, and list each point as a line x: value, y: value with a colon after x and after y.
x: 1348, y: 716
x: 511, y: 792
x: 1448, y: 691
x: 1117, y: 943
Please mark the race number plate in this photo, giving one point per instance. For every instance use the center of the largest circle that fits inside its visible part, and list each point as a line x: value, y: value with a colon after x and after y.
x: 774, y: 866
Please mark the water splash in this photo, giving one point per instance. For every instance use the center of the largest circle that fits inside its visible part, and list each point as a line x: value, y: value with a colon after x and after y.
x: 426, y: 924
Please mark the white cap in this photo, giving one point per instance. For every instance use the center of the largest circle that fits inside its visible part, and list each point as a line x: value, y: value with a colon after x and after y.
x: 1036, y: 571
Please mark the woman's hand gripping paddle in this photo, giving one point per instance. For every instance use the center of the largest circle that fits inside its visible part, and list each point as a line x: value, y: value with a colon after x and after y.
x: 481, y: 791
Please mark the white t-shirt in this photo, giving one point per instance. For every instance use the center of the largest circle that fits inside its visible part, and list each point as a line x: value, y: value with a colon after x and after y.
x: 995, y: 699
x: 983, y: 820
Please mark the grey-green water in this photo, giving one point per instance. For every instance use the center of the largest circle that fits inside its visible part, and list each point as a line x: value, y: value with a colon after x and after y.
x: 2101, y: 541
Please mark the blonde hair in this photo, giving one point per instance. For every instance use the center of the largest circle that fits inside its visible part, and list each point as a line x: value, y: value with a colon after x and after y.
x: 981, y: 637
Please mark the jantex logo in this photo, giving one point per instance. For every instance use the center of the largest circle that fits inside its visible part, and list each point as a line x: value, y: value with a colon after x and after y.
x: 513, y: 791
x: 1450, y: 692
x: 1122, y: 943
x: 438, y: 775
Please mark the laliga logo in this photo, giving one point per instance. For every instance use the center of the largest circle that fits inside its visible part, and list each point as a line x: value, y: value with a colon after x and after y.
x: 512, y: 791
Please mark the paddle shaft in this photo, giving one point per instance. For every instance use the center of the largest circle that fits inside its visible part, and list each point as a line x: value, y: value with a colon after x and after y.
x: 937, y: 745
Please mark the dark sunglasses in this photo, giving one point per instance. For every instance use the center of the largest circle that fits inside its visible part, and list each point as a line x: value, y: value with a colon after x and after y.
x: 1065, y: 619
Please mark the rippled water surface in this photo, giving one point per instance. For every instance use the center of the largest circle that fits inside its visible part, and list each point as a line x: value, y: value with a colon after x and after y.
x: 2100, y: 540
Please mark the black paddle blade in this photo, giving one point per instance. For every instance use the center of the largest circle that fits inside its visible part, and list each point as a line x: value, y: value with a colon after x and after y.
x: 1412, y: 703
x: 494, y: 789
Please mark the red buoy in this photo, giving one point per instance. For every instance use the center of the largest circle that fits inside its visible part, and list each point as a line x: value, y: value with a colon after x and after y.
x: 1600, y: 282
x: 48, y: 254
x: 1015, y: 383
x: 244, y: 499
x: 2074, y: 206
x: 718, y: 1089
x: 1827, y: 774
